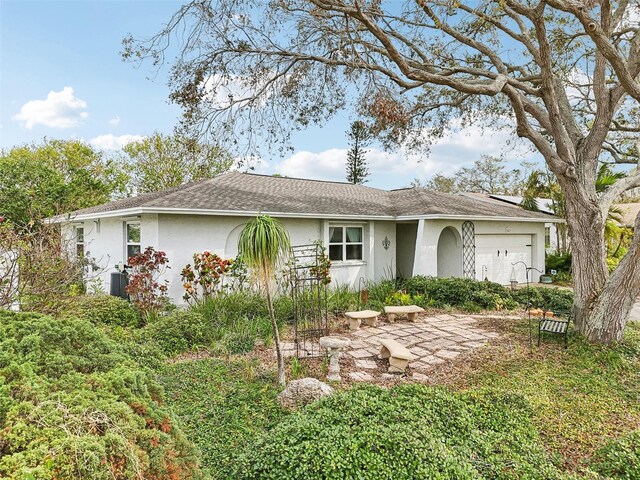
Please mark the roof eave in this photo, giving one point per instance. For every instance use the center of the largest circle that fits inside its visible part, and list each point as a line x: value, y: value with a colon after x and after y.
x: 127, y: 212
x: 497, y: 218
x: 211, y: 212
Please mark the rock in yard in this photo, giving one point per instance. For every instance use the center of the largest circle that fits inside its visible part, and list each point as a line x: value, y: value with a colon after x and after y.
x: 303, y: 392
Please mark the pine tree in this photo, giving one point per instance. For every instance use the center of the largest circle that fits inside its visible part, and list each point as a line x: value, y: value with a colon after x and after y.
x: 359, y: 137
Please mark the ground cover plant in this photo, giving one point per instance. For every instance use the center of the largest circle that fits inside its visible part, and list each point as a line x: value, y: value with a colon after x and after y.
x: 620, y: 458
x: 407, y: 432
x: 73, y: 404
x: 585, y: 400
x: 100, y: 310
x: 222, y: 406
x: 100, y: 375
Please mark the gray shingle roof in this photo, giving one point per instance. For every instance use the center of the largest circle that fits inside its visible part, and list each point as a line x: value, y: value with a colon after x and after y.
x: 242, y: 193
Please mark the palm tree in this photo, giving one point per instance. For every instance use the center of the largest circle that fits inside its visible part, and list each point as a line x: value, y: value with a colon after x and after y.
x: 263, y: 243
x: 544, y: 184
x: 613, y: 231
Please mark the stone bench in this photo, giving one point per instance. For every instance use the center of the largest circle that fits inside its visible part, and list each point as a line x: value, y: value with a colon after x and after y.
x: 411, y: 311
x: 369, y: 317
x: 399, y: 356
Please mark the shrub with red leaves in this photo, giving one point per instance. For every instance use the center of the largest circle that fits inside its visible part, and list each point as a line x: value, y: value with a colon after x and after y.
x: 144, y: 288
x: 205, y: 277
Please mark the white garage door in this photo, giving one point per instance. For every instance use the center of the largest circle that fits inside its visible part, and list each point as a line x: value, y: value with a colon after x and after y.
x: 496, y: 253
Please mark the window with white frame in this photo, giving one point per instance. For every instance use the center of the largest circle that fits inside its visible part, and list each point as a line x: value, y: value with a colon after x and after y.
x: 345, y: 243
x: 547, y: 237
x: 133, y: 239
x: 80, y: 241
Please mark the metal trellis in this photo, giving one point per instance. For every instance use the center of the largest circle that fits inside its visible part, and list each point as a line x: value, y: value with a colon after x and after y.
x: 309, y: 295
x: 468, y: 250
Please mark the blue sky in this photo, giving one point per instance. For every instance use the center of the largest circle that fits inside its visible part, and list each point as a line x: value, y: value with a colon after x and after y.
x: 61, y: 76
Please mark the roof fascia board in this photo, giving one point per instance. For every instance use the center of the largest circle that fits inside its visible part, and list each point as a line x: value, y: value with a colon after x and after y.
x: 186, y: 211
x: 235, y: 213
x: 437, y: 216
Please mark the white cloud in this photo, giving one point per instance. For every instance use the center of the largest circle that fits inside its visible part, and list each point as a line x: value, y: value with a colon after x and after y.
x: 59, y: 110
x: 115, y: 121
x: 252, y: 164
x: 112, y: 142
x: 223, y: 91
x: 396, y: 169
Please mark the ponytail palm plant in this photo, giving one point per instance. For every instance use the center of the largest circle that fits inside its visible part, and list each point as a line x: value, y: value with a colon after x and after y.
x: 263, y: 243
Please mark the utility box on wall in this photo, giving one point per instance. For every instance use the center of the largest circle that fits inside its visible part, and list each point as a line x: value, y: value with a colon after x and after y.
x: 119, y: 280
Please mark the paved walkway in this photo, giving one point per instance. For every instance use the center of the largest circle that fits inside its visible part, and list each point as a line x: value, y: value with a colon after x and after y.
x: 635, y: 312
x: 434, y: 340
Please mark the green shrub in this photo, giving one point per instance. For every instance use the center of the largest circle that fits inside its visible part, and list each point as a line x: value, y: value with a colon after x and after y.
x: 561, y: 263
x: 378, y: 292
x: 620, y: 458
x: 407, y: 432
x: 232, y: 307
x: 231, y: 322
x: 343, y: 299
x: 179, y: 331
x: 101, y: 309
x: 562, y: 278
x: 73, y: 404
x: 465, y: 293
x: 558, y: 301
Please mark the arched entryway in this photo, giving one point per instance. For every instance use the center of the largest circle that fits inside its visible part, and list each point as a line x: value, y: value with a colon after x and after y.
x: 231, y: 245
x: 449, y: 253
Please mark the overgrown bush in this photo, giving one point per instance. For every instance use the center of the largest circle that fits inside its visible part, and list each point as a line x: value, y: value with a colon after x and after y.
x: 231, y: 322
x: 459, y: 292
x: 407, y: 432
x: 342, y: 299
x: 73, y: 404
x: 378, y: 293
x: 558, y: 301
x: 101, y: 309
x: 560, y: 262
x: 206, y: 277
x: 144, y: 287
x: 619, y: 458
x: 37, y: 267
x: 468, y: 295
x: 179, y: 331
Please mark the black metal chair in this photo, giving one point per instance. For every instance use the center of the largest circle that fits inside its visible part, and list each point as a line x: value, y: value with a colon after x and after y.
x: 555, y: 326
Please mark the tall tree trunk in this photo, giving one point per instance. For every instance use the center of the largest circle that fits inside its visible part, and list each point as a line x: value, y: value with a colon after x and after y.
x: 611, y: 310
x: 276, y: 336
x: 586, y: 230
x: 602, y: 302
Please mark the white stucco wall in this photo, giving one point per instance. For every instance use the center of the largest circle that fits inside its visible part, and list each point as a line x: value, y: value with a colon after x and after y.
x: 426, y: 253
x: 405, y: 248
x: 449, y: 253
x: 385, y: 259
x: 180, y: 236
x: 104, y: 242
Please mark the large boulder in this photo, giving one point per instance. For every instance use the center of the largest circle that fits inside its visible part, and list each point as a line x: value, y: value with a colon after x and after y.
x: 303, y: 392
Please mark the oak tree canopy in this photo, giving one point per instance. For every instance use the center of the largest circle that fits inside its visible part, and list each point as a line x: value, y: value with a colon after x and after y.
x: 562, y: 74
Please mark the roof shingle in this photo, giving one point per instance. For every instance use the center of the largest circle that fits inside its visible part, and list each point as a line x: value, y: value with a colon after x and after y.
x: 243, y: 192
